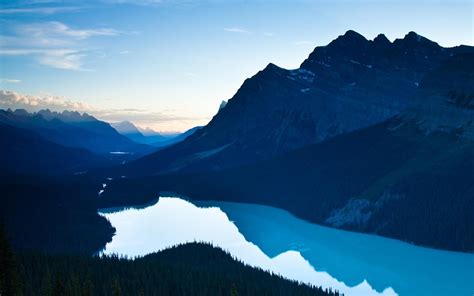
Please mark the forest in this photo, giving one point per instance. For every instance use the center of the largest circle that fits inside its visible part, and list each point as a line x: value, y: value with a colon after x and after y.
x: 190, y: 269
x: 53, y: 214
x: 417, y: 187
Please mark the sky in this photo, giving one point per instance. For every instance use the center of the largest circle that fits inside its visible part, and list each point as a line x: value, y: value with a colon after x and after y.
x: 168, y: 64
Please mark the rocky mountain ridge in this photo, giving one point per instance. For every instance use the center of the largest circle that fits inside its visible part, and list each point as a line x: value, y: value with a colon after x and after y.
x: 349, y: 84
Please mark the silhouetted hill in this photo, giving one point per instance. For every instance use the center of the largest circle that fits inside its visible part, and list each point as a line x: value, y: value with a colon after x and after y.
x: 27, y: 152
x: 72, y: 129
x: 56, y: 214
x: 191, y: 269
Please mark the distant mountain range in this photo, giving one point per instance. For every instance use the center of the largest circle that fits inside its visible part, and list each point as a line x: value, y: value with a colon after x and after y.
x: 379, y: 138
x: 72, y: 129
x: 149, y: 136
x: 349, y: 84
x: 26, y: 151
x: 176, y: 138
x: 368, y: 135
x: 65, y: 140
x: 130, y: 131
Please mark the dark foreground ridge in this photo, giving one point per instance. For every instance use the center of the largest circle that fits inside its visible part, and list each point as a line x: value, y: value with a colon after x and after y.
x: 191, y: 269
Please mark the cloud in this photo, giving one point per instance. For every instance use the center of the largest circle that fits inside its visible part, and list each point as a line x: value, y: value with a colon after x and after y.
x: 38, y: 10
x: 14, y: 100
x: 268, y: 34
x: 7, y: 80
x: 142, y: 116
x: 166, y: 121
x: 124, y: 52
x: 236, y: 30
x: 50, y: 31
x: 161, y: 120
x: 52, y: 44
x: 135, y: 2
x: 66, y: 59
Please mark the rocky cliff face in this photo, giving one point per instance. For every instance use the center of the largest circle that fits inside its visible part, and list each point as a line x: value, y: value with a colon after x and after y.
x: 349, y: 84
x: 446, y: 98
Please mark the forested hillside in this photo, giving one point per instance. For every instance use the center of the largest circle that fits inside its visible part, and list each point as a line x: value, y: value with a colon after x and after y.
x: 55, y: 214
x: 410, y: 177
x: 192, y: 269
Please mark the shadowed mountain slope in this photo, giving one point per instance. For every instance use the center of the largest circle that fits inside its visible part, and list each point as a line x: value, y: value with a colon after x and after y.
x: 26, y: 152
x: 349, y: 84
x: 410, y: 177
x: 72, y: 129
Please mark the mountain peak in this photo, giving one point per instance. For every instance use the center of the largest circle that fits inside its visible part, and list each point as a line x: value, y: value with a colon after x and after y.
x: 413, y: 39
x: 352, y: 36
x: 413, y: 36
x: 66, y: 116
x: 125, y: 127
x: 350, y: 39
x: 271, y: 66
x: 20, y: 112
x: 222, y: 105
x: 381, y: 39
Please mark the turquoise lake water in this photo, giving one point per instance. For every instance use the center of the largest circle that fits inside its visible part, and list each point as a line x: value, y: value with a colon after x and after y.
x: 275, y: 240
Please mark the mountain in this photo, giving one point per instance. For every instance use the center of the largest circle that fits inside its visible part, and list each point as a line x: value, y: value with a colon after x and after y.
x: 129, y: 130
x: 126, y: 128
x: 177, y: 138
x: 147, y: 135
x: 410, y: 177
x: 190, y: 269
x: 65, y: 116
x: 24, y: 151
x: 349, y: 84
x: 446, y: 100
x: 72, y: 129
x: 148, y: 132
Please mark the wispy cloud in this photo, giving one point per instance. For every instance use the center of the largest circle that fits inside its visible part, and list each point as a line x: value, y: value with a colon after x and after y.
x: 67, y: 59
x: 8, y: 80
x: 38, y: 10
x: 53, y: 33
x: 268, y: 34
x: 135, y: 2
x: 52, y: 44
x: 236, y: 30
x: 143, y: 116
x: 63, y: 59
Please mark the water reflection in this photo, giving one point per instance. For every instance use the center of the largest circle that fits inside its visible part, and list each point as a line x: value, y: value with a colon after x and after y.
x: 355, y: 264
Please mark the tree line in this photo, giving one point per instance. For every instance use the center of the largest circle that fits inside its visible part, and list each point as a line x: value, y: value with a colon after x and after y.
x: 190, y: 269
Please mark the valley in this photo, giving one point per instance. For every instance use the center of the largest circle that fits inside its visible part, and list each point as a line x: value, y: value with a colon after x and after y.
x: 352, y: 174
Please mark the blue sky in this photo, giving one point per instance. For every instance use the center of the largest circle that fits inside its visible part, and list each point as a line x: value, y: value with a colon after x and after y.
x: 169, y: 64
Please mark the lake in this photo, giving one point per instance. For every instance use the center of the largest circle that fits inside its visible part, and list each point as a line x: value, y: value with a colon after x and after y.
x: 275, y: 240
